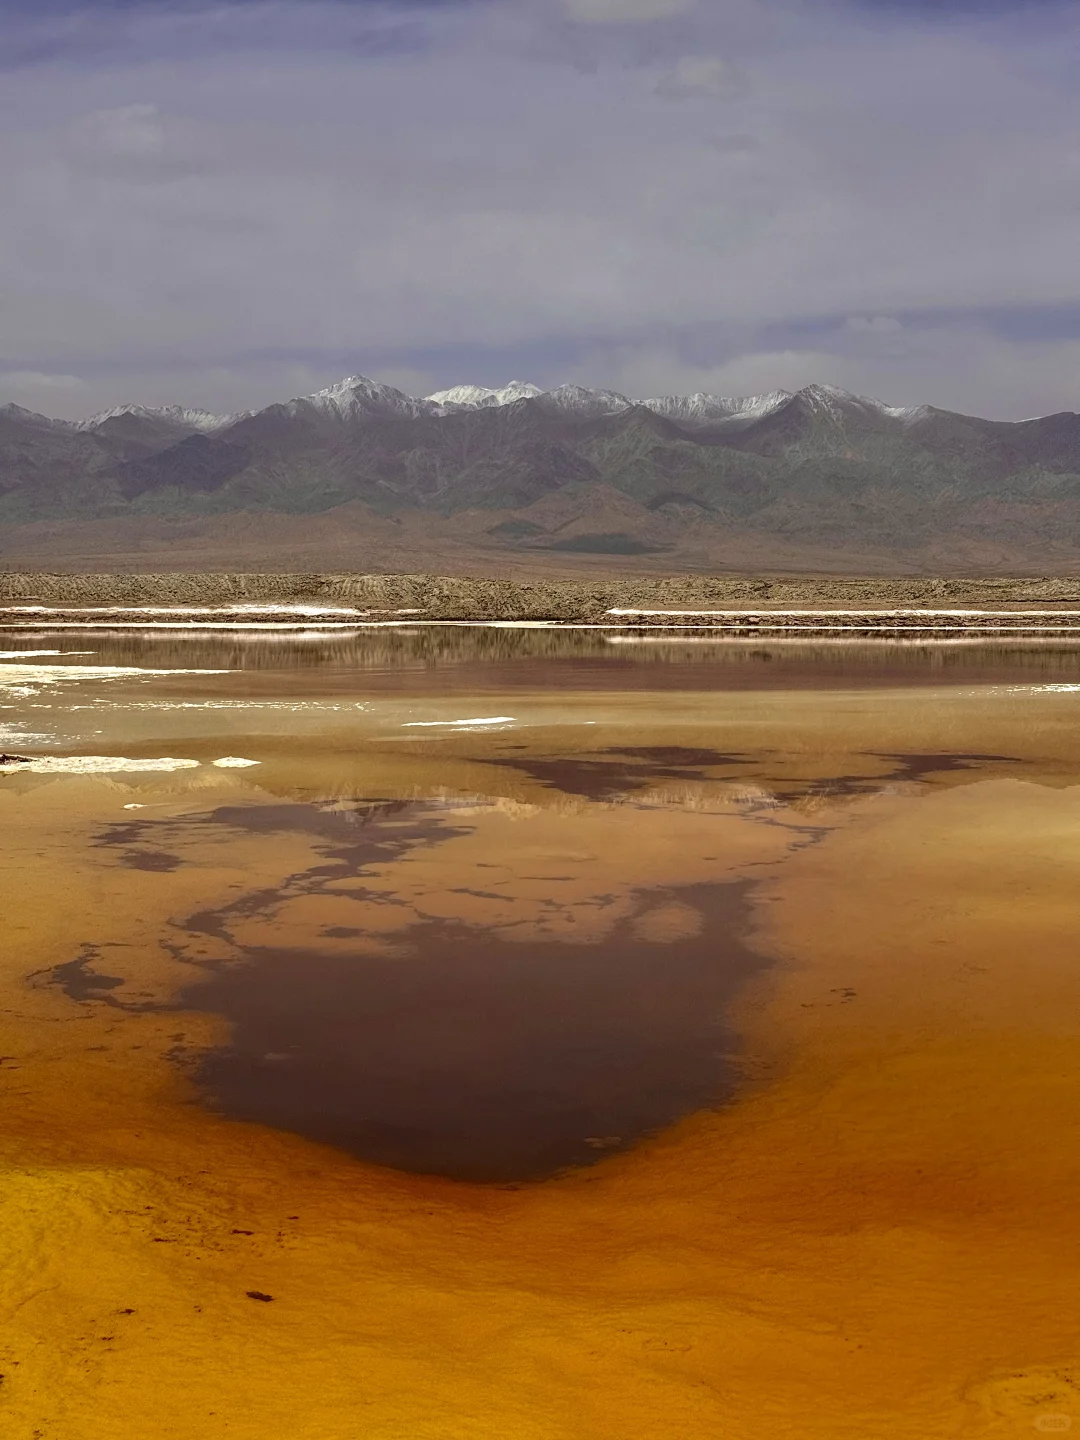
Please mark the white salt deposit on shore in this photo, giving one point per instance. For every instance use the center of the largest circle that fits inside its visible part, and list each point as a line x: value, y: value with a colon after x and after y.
x: 480, y: 720
x: 109, y: 764
x: 92, y: 765
x: 26, y: 679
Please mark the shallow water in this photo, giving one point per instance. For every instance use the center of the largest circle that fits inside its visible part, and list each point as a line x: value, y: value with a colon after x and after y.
x: 574, y: 1034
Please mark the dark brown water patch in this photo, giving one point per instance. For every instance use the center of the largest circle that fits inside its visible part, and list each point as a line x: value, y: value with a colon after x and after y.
x: 356, y: 837
x: 617, y: 771
x: 159, y: 861
x: 85, y: 985
x: 361, y: 836
x: 478, y: 1057
x: 606, y: 774
x: 917, y: 767
x: 337, y: 821
x: 340, y: 821
x: 130, y: 832
x: 677, y: 755
x: 906, y: 768
x: 351, y: 837
x: 79, y: 982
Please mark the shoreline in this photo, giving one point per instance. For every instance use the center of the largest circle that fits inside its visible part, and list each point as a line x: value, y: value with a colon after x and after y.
x: 776, y: 625
x: 748, y: 603
x: 731, y: 606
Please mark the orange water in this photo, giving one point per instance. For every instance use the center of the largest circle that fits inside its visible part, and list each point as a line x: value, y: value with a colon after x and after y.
x: 811, y: 947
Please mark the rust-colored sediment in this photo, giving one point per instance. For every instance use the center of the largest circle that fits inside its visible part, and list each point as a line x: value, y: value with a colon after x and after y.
x: 878, y: 1237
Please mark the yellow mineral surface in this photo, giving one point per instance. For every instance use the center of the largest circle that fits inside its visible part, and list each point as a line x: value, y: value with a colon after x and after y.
x: 876, y: 1235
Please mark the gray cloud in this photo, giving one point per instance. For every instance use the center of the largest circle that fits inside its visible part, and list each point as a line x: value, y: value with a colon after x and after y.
x: 136, y: 143
x: 624, y: 11
x: 708, y: 75
x: 970, y: 370
x: 872, y: 324
x: 227, y: 225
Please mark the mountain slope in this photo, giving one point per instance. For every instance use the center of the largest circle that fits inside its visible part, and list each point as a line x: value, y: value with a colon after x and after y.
x: 821, y: 467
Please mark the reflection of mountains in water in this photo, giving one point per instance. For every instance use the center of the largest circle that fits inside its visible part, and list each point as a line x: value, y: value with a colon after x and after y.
x: 588, y: 659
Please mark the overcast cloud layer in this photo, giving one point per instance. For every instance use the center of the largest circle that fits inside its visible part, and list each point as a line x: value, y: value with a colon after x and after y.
x: 231, y: 205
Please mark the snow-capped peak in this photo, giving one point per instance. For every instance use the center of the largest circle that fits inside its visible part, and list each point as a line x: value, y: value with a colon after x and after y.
x: 177, y: 415
x: 357, y: 397
x: 702, y: 409
x: 577, y: 400
x: 831, y: 400
x: 477, y: 397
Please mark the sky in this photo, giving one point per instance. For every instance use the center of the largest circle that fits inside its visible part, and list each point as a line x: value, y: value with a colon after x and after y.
x: 227, y: 204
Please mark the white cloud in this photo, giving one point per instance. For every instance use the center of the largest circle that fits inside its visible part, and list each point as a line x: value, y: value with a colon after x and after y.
x: 708, y: 75
x: 620, y: 11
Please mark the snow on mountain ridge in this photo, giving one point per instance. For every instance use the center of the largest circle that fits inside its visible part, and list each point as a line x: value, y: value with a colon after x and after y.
x: 832, y: 400
x: 578, y: 400
x: 701, y: 408
x: 175, y: 414
x: 475, y: 397
x: 357, y: 397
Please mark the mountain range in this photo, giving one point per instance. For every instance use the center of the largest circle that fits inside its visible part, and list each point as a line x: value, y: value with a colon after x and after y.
x: 521, y: 476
